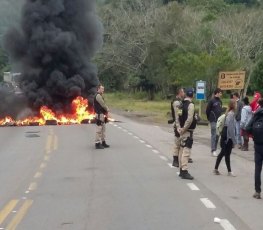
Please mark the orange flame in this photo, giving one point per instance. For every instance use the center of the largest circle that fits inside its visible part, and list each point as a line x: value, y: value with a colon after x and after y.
x: 79, y: 107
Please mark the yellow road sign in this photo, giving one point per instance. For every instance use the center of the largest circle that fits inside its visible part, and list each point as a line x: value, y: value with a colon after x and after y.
x: 231, y: 80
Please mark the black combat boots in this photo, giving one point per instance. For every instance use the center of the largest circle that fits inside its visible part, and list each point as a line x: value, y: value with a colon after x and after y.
x: 99, y: 146
x: 104, y: 144
x: 175, y: 162
x: 186, y: 175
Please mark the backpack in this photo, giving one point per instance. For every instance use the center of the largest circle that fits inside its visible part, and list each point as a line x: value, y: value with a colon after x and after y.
x: 220, y: 124
x: 257, y: 130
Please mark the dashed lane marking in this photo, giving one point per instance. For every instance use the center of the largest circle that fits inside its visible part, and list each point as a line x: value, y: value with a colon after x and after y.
x: 208, y: 203
x: 142, y: 141
x: 130, y: 133
x: 156, y: 151
x: 225, y: 224
x: 149, y: 146
x: 136, y: 137
x: 193, y: 187
x: 32, y: 186
x: 7, y: 209
x: 38, y: 175
x: 46, y: 158
x: 164, y: 158
x: 43, y: 165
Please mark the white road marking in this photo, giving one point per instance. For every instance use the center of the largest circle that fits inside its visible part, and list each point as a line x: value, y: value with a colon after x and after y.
x: 32, y: 186
x: 225, y: 224
x: 163, y: 158
x: 142, y: 141
x: 170, y: 165
x: 193, y: 187
x: 43, y: 165
x: 24, y: 198
x: 156, y: 126
x: 14, y: 211
x: 26, y: 192
x: 119, y: 127
x: 46, y: 158
x: 130, y: 133
x: 125, y: 130
x: 136, y: 137
x: 207, y: 203
x: 115, y: 125
x: 149, y: 146
x: 156, y: 151
x: 38, y: 175
x: 178, y: 173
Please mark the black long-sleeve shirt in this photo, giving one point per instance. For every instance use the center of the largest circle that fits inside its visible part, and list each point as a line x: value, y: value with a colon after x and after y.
x: 214, y: 109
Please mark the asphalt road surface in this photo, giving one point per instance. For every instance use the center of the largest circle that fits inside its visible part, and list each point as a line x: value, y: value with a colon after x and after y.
x: 52, y: 178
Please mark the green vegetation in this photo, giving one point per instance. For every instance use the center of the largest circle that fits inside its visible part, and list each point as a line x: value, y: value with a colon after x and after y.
x: 156, y: 46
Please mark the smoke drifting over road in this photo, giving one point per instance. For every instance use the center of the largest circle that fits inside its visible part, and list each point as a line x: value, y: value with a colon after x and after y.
x: 53, y: 49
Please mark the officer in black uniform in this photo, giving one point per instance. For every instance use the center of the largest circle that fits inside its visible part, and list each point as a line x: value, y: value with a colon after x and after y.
x: 188, y: 122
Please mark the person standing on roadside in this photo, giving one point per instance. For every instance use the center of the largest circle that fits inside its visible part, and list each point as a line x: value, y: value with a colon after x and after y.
x: 238, y: 119
x: 255, y: 127
x: 228, y: 139
x: 246, y: 115
x: 213, y: 112
x: 101, y: 110
x: 176, y: 108
x: 187, y: 125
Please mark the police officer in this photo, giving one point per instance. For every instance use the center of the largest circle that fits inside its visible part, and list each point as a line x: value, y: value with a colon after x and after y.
x: 176, y: 108
x: 101, y: 111
x: 187, y: 125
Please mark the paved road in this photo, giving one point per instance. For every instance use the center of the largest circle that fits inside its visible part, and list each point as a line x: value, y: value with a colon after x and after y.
x: 53, y: 178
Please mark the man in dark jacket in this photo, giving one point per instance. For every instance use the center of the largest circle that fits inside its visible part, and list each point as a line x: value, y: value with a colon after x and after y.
x: 255, y: 127
x: 213, y: 112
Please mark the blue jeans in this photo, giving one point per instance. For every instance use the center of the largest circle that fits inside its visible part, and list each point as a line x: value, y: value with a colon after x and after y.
x: 238, y: 135
x: 214, y: 137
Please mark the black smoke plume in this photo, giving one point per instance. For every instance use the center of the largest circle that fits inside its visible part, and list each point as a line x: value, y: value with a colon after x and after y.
x: 53, y: 49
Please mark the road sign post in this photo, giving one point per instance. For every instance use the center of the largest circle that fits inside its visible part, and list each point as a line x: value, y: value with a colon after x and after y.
x: 200, y: 93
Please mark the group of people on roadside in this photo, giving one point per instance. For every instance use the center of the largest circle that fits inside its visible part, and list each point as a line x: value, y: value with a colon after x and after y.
x: 242, y: 120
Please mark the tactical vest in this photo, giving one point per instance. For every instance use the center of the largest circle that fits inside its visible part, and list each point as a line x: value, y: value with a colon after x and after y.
x: 172, y: 108
x: 97, y: 107
x: 184, y: 116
